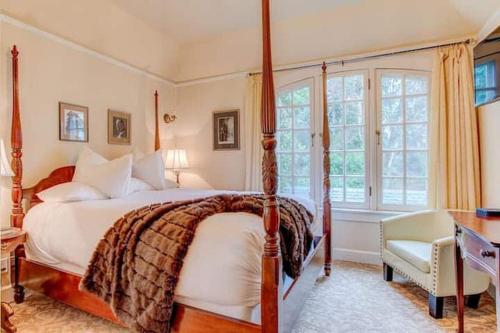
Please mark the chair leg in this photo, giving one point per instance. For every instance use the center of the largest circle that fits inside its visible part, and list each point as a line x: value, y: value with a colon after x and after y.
x: 436, y: 305
x: 473, y: 301
x: 388, y: 272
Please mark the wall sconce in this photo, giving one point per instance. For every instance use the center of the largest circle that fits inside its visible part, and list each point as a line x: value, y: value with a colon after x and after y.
x: 168, y: 118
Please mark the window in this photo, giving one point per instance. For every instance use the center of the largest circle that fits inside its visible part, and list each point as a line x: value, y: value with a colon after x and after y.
x: 485, y: 82
x: 379, y: 146
x: 294, y: 138
x: 402, y: 140
x: 346, y: 95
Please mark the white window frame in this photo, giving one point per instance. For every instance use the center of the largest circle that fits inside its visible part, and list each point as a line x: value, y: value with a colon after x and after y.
x: 378, y: 148
x: 290, y: 87
x: 366, y: 98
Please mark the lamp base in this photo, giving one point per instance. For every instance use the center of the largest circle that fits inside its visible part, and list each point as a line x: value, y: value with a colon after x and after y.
x: 177, y: 173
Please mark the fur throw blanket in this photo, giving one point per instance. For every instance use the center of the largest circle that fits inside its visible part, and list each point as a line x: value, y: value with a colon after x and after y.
x: 136, y: 266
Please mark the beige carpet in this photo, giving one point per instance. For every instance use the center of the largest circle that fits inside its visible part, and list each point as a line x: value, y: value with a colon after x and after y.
x: 353, y: 299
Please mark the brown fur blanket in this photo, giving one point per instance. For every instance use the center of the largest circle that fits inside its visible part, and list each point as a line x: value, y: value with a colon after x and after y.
x: 136, y: 265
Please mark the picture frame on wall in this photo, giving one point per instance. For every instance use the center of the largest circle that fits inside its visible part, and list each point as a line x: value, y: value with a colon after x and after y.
x: 226, y: 130
x: 119, y: 127
x: 73, y: 122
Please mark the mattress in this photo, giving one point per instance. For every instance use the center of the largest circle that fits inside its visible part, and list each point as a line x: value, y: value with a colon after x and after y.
x: 221, y: 271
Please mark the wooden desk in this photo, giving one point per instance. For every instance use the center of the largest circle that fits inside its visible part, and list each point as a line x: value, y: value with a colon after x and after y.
x: 477, y: 242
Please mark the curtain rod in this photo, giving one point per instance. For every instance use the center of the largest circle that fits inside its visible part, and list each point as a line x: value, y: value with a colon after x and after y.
x: 363, y: 58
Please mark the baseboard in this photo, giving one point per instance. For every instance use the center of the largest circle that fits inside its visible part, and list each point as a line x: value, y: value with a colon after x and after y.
x: 365, y: 257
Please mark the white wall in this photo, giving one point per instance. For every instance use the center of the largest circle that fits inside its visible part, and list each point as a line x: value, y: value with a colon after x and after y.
x: 489, y: 123
x: 193, y: 131
x: 53, y: 71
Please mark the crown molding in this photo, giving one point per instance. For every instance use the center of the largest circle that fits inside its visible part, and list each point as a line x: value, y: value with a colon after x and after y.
x: 78, y: 47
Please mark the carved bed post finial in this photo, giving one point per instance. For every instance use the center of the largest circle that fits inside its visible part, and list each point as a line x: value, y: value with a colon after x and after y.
x: 327, y: 207
x: 16, y: 146
x: 271, y: 293
x: 157, y: 126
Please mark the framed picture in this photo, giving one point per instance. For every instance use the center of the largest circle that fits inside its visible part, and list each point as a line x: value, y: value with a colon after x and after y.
x: 227, y: 130
x: 119, y: 127
x: 73, y: 122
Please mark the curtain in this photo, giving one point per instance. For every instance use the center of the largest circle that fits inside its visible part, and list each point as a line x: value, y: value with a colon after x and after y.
x: 454, y: 136
x: 253, y: 136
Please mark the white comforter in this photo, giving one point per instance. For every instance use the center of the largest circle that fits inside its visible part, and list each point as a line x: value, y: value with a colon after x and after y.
x: 222, y: 266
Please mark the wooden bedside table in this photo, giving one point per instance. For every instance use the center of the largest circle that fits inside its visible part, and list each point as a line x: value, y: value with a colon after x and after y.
x: 9, y: 245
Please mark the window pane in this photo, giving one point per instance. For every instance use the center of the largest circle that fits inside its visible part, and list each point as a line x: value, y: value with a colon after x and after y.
x: 285, y: 184
x: 392, y: 191
x: 336, y: 114
x: 391, y: 110
x: 416, y: 85
x: 335, y: 89
x: 301, y: 96
x: 284, y: 99
x: 416, y: 191
x: 354, y: 138
x: 392, y: 137
x: 284, y: 141
x: 284, y: 118
x: 353, y: 86
x: 337, y: 188
x: 285, y: 164
x: 416, y: 108
x: 337, y: 164
x: 393, y: 164
x: 301, y: 185
x: 301, y: 141
x: 302, y: 117
x: 337, y: 138
x: 355, y: 163
x: 416, y: 164
x: 391, y: 85
x: 354, y: 113
x: 416, y: 136
x: 355, y: 189
x: 302, y: 164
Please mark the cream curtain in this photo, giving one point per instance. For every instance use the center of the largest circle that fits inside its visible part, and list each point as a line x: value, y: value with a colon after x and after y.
x: 253, y: 136
x: 454, y: 136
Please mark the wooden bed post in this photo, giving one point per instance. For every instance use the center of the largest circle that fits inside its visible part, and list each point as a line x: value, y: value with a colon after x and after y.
x: 272, y: 291
x: 16, y: 146
x: 327, y: 207
x: 157, y: 126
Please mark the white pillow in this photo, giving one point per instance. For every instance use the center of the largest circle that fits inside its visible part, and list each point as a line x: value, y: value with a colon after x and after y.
x: 72, y: 191
x: 111, y: 178
x: 87, y: 157
x: 137, y: 185
x: 151, y: 169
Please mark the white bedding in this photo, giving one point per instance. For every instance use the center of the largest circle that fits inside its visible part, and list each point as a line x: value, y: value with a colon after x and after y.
x: 221, y: 270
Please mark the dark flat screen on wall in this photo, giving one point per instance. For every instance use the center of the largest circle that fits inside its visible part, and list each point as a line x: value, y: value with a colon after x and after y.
x: 487, y: 69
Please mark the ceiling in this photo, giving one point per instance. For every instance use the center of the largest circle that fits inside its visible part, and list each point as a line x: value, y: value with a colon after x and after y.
x: 195, y: 20
x: 190, y: 21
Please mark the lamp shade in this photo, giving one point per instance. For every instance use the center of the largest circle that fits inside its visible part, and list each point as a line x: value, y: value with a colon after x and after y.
x: 5, y: 169
x: 176, y: 159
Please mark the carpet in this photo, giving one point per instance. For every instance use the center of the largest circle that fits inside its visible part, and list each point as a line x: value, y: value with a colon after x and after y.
x: 354, y: 299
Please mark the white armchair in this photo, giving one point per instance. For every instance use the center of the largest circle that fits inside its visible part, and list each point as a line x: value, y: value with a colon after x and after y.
x: 421, y: 247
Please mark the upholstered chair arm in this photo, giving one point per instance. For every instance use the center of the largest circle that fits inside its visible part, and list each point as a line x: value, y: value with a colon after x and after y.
x: 414, y: 226
x: 443, y: 266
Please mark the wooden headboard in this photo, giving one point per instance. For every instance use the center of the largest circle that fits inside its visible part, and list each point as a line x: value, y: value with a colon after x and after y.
x: 56, y: 177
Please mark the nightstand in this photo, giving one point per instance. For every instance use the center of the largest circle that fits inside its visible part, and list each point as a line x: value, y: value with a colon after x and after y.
x: 9, y: 245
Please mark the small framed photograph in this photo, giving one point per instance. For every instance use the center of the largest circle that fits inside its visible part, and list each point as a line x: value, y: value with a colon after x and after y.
x: 227, y: 130
x: 119, y: 125
x: 73, y: 122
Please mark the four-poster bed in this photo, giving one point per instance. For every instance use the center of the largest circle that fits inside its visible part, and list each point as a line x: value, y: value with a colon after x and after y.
x: 281, y: 296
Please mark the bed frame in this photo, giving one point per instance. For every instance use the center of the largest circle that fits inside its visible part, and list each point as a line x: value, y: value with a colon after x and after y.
x: 281, y: 297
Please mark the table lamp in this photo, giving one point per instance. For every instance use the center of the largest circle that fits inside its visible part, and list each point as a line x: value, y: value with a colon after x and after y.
x: 175, y: 161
